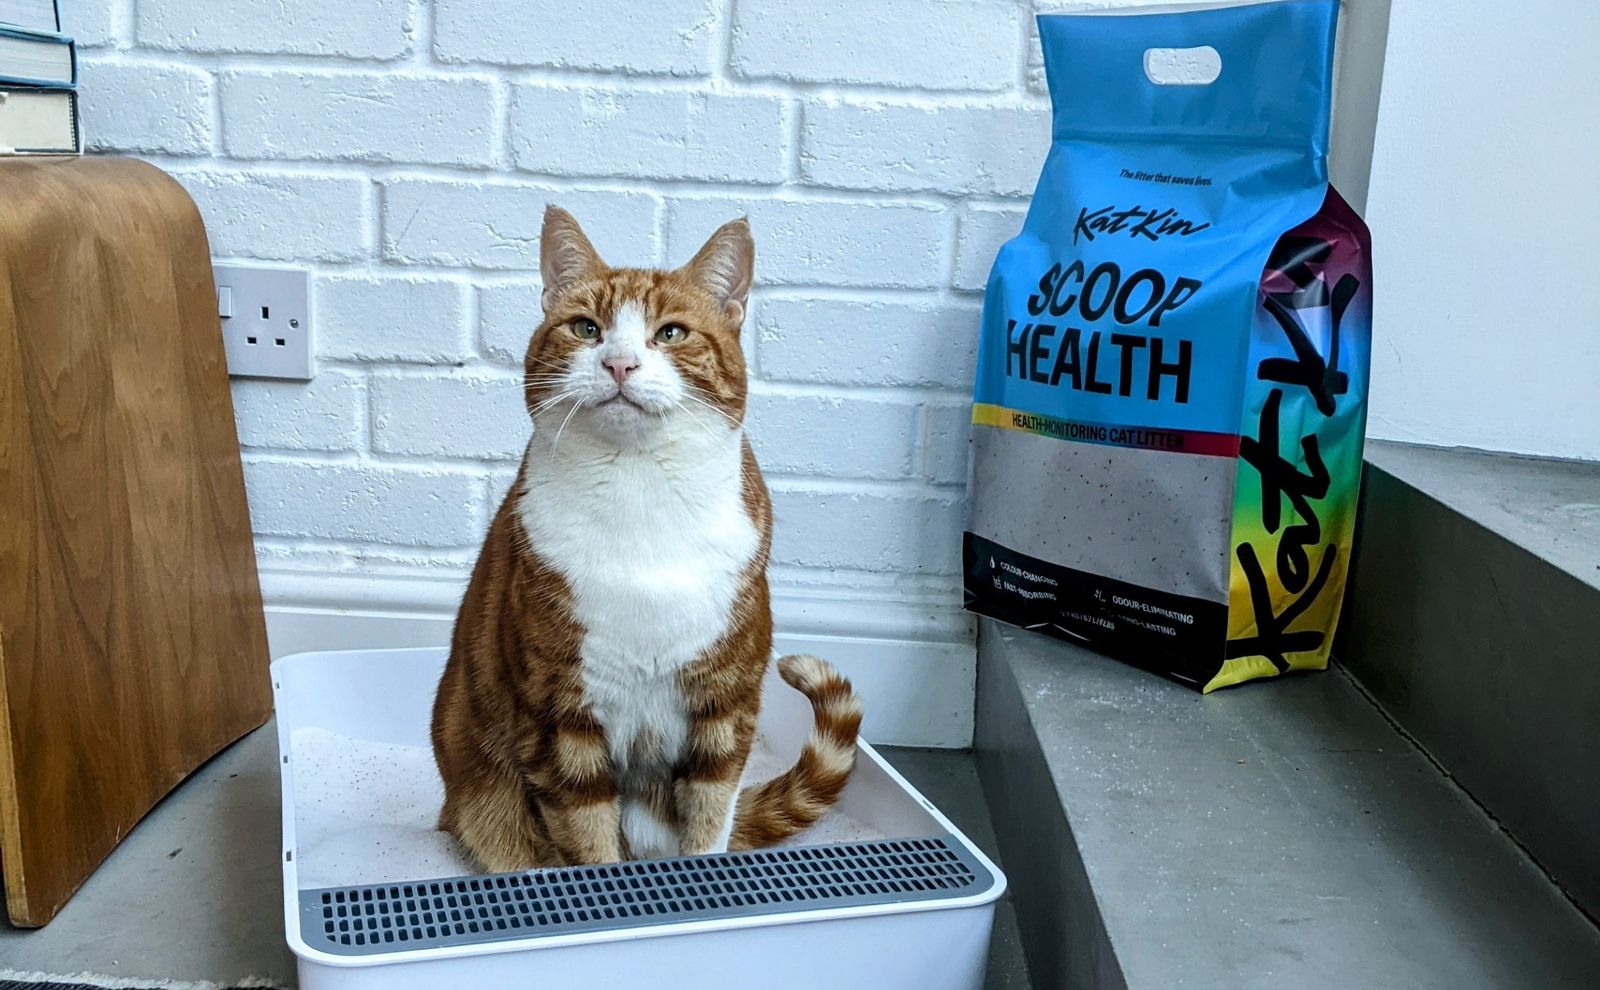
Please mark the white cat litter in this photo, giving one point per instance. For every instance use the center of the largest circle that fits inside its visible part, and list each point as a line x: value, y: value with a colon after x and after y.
x: 365, y: 811
x: 368, y: 899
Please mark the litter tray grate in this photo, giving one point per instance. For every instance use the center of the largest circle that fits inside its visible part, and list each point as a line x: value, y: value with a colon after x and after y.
x: 354, y: 921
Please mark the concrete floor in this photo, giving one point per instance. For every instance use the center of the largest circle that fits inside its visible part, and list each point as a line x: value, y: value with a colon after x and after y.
x: 194, y: 892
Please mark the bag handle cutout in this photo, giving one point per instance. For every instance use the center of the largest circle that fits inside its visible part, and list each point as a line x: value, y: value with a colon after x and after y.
x: 1182, y: 66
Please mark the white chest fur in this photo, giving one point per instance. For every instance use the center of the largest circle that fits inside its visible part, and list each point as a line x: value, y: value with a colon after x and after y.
x: 652, y: 545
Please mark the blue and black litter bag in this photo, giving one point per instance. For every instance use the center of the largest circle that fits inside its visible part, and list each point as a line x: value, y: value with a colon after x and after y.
x: 1172, y: 375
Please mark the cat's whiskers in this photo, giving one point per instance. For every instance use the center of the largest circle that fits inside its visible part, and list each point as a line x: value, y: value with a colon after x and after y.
x: 546, y: 362
x: 557, y: 441
x: 700, y: 391
x: 690, y: 415
x: 519, y: 385
x: 713, y: 405
x: 556, y: 400
x: 732, y: 423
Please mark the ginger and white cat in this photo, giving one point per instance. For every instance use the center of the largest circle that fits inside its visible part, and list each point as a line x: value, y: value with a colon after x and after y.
x: 605, y: 672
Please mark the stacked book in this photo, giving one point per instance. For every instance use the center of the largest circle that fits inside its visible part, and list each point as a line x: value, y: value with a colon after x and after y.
x: 38, y: 81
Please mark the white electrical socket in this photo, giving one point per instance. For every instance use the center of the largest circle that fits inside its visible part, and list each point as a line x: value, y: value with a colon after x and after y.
x: 265, y: 312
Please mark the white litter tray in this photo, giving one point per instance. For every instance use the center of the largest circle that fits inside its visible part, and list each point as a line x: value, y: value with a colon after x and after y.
x: 883, y: 894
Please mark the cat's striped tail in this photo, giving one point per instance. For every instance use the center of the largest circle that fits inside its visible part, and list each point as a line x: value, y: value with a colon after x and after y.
x: 795, y: 799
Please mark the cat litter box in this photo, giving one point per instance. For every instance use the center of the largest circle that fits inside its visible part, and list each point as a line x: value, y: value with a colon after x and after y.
x: 884, y: 893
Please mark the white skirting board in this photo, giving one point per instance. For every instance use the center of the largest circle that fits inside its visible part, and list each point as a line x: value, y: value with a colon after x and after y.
x: 914, y: 665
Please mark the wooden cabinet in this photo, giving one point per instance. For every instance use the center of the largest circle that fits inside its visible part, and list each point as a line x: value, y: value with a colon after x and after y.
x: 132, y: 644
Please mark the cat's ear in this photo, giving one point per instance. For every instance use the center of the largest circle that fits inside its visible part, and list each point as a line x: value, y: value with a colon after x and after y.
x: 725, y: 267
x: 565, y: 254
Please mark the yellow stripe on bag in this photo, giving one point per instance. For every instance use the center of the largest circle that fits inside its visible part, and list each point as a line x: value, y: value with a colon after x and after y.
x: 984, y: 414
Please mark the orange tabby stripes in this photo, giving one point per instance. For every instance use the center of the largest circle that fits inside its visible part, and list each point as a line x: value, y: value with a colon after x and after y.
x: 797, y: 798
x: 605, y: 670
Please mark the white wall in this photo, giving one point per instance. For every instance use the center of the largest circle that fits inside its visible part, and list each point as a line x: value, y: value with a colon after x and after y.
x: 1358, y: 79
x: 404, y: 151
x: 1484, y: 206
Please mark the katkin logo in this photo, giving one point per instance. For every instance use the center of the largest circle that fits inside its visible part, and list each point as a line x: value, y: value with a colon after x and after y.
x: 1303, y: 262
x: 1136, y: 221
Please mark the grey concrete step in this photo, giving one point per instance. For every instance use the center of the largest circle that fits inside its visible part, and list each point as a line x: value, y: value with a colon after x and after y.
x: 1282, y: 834
x: 1473, y: 617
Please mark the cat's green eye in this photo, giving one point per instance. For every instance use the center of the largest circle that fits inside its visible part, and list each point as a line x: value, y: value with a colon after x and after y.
x: 585, y: 329
x: 671, y: 334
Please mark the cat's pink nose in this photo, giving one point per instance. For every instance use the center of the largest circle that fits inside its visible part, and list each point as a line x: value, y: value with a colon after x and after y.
x: 621, y: 367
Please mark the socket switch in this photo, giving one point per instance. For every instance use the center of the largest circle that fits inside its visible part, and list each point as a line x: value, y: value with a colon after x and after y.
x: 265, y: 311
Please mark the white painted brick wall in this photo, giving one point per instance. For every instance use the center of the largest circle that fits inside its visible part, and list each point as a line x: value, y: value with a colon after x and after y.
x: 95, y: 22
x: 476, y: 224
x: 506, y: 311
x: 404, y: 151
x: 983, y: 228
x: 175, y: 118
x: 867, y: 530
x: 358, y: 116
x: 326, y: 413
x: 399, y: 319
x: 281, y: 216
x: 989, y: 150
x: 337, y: 500
x: 376, y: 29
x: 832, y: 435
x: 936, y: 44
x: 852, y: 341
x: 674, y: 37
x: 814, y: 241
x: 471, y: 415
x: 632, y: 133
